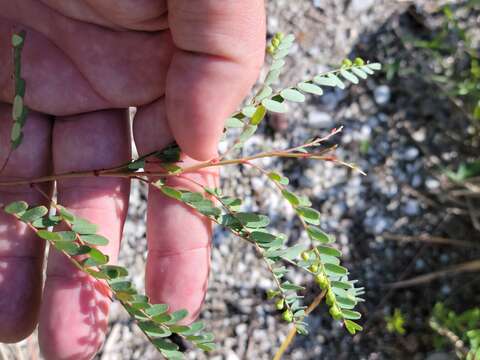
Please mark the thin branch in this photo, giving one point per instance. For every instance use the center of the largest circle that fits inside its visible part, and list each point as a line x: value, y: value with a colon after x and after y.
x: 471, y: 266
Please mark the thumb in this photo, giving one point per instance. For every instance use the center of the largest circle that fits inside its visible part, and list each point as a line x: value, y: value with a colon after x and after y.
x: 219, y: 51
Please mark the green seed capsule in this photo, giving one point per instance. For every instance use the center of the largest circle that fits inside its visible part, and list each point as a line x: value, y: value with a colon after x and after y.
x: 270, y: 49
x: 347, y: 63
x: 271, y: 294
x: 305, y: 255
x: 279, y: 304
x: 287, y: 315
x: 359, y: 61
x: 313, y: 268
x: 336, y: 312
x: 280, y: 35
x: 330, y: 297
x: 275, y: 42
x: 322, y: 281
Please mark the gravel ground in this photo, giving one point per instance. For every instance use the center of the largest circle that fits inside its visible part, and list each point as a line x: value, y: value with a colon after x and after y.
x: 398, y: 133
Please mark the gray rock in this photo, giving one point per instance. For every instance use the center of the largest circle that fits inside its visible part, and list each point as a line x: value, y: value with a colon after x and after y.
x: 320, y: 120
x: 382, y: 93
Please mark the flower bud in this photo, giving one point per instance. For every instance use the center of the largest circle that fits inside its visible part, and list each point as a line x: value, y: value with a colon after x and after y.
x: 275, y: 42
x: 305, y: 256
x: 270, y: 49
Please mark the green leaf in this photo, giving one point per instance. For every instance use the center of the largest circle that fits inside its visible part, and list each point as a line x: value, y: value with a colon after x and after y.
x: 67, y: 235
x: 349, y: 76
x: 352, y: 327
x: 292, y: 95
x: 97, y: 240
x: 179, y: 329
x: 16, y: 133
x: 277, y: 64
x: 341, y: 285
x: 375, y: 66
x: 164, y: 344
x: 262, y: 237
x: 253, y: 221
x: 84, y: 227
x: 69, y: 247
x: 17, y: 107
x: 329, y: 251
x: 96, y: 258
x: 317, y: 234
x: 207, y: 346
x: 234, y: 123
x: 206, y: 207
x: 353, y: 315
x: 291, y: 197
x: 272, y: 76
x: 259, y: 115
x: 282, y: 53
x: 294, y: 252
x: 16, y: 208
x: 191, y: 197
x: 120, y: 285
x: 46, y: 222
x: 173, y: 355
x: 333, y: 269
x: 337, y: 81
x: 278, y: 178
x: 324, y: 81
x: 48, y: 235
x: 359, y: 72
x: 202, y: 338
x: 171, y: 192
x: 65, y: 214
x: 310, y: 88
x: 154, y: 330
x: 289, y: 286
x: 34, y: 214
x: 114, y: 271
x: 308, y: 214
x: 233, y: 204
x: 162, y: 318
x: 274, y: 106
x: 264, y: 93
x: 156, y: 309
x: 170, y: 154
x: 195, y: 328
x: 177, y: 316
x: 248, y: 111
x: 247, y: 133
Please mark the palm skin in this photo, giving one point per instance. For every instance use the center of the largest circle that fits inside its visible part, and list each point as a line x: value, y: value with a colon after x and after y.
x: 186, y: 64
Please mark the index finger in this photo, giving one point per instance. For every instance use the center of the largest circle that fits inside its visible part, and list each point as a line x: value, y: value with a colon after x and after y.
x: 219, y: 51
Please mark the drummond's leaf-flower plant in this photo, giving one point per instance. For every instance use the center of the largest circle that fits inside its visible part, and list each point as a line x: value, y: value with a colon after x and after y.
x: 79, y: 241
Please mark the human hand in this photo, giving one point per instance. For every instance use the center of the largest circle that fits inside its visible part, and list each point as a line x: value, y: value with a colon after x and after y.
x: 186, y: 65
